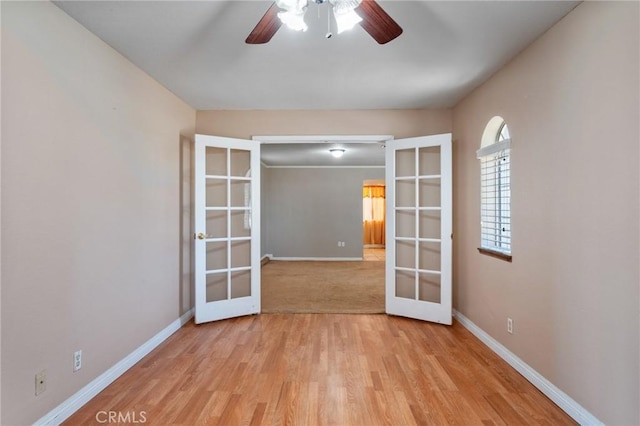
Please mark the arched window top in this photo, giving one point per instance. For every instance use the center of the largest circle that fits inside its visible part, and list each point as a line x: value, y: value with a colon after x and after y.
x: 495, y: 131
x: 503, y: 133
x: 495, y: 138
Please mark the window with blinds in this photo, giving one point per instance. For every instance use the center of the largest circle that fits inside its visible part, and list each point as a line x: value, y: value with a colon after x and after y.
x: 495, y: 193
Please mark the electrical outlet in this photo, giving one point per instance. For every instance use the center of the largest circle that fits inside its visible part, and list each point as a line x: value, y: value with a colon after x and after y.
x: 41, y: 382
x: 77, y: 360
x: 509, y: 325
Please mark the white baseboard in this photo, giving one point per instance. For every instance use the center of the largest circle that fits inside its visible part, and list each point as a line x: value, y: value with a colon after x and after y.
x: 84, y: 395
x: 561, y: 399
x: 318, y: 259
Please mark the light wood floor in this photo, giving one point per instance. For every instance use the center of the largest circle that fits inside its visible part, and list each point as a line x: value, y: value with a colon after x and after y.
x: 323, y: 369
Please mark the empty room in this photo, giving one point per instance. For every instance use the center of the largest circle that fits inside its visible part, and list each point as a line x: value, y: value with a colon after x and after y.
x: 170, y: 170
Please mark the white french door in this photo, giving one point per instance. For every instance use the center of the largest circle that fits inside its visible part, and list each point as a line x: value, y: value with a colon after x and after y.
x: 419, y: 228
x: 227, y: 228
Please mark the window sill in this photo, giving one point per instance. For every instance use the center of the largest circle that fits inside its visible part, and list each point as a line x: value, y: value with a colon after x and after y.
x: 496, y: 254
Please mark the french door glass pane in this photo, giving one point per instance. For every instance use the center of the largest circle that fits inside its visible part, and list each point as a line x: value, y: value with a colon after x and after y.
x: 240, y: 162
x: 215, y: 161
x: 216, y: 192
x: 240, y: 193
x: 406, y: 162
x: 216, y: 255
x: 406, y: 223
x: 429, y: 192
x: 240, y: 284
x: 405, y: 285
x: 429, y: 255
x: 429, y: 159
x: 216, y: 223
x: 216, y: 287
x: 429, y: 287
x: 241, y: 223
x: 240, y: 254
x: 406, y: 254
x: 429, y: 224
x: 406, y: 193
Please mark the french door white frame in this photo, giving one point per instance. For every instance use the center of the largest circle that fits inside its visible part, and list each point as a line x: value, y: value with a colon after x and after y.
x: 417, y: 307
x: 229, y: 306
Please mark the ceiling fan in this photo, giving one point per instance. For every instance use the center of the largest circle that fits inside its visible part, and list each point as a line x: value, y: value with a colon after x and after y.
x: 347, y: 13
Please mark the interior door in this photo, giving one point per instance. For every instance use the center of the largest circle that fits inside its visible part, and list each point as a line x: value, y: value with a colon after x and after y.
x: 419, y: 230
x: 227, y: 228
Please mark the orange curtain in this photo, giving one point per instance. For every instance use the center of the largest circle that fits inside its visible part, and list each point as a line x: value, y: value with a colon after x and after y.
x: 373, y: 207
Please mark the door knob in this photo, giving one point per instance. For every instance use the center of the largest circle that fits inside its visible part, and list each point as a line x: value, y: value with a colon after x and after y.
x: 201, y: 236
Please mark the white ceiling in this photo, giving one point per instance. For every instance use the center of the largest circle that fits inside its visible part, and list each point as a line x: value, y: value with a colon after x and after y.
x: 316, y: 153
x: 196, y: 49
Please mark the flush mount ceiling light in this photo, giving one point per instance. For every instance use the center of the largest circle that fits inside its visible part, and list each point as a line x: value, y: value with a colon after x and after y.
x: 337, y: 152
x: 347, y: 13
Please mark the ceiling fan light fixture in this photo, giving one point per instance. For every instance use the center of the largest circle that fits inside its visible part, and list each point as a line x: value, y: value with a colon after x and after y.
x: 337, y: 152
x: 293, y: 13
x: 293, y: 20
x: 345, y: 15
x: 346, y: 21
x: 290, y: 5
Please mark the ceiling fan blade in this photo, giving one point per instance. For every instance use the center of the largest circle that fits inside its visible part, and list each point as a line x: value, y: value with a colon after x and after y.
x: 377, y: 22
x: 266, y: 27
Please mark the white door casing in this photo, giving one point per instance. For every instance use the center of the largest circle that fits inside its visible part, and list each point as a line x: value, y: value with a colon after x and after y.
x: 419, y: 228
x: 227, y: 228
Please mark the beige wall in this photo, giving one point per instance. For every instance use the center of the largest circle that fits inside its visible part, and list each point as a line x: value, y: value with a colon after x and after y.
x: 92, y: 256
x: 571, y: 103
x: 399, y: 123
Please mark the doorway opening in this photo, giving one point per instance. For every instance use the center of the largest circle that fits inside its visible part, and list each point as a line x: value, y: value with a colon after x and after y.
x: 373, y: 220
x: 313, y: 223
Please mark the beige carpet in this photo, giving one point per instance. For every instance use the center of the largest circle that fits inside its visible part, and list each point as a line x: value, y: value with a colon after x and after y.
x: 323, y: 287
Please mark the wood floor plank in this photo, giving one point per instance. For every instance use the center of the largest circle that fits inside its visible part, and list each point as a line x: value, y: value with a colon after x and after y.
x: 323, y: 369
x: 258, y: 414
x: 505, y: 409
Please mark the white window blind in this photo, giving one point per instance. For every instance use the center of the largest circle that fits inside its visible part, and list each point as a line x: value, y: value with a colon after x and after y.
x: 495, y: 200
